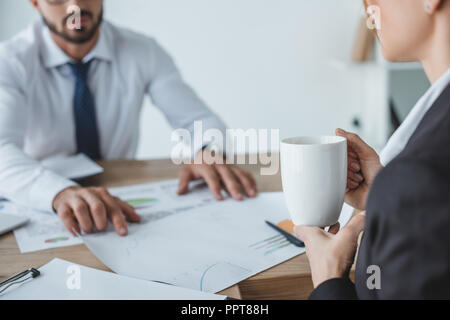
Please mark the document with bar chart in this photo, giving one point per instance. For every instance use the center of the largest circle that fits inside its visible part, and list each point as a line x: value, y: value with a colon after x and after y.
x: 44, y: 230
x: 195, y: 242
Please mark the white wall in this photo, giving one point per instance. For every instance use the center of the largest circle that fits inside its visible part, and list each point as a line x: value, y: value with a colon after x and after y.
x: 257, y: 63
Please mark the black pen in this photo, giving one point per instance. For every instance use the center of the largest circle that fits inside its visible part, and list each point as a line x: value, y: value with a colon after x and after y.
x: 291, y: 238
x: 19, y: 278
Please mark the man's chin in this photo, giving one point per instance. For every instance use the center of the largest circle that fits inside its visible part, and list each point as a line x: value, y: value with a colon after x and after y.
x: 85, y: 34
x: 78, y: 36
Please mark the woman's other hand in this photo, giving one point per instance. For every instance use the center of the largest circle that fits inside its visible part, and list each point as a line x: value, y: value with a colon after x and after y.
x: 331, y: 254
x: 363, y: 166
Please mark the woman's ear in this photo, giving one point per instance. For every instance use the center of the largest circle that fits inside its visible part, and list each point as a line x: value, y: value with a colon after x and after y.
x: 34, y: 3
x: 431, y: 6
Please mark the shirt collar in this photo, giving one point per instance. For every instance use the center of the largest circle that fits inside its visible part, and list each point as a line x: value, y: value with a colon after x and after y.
x: 53, y: 56
x: 400, y: 138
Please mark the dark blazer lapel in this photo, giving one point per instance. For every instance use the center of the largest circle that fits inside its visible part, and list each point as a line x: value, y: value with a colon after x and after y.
x: 436, y: 117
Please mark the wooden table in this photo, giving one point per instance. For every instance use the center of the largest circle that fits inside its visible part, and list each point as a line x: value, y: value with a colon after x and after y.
x: 289, y: 280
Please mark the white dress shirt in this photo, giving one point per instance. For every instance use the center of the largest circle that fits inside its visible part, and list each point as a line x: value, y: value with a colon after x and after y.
x: 401, y: 136
x: 36, y: 104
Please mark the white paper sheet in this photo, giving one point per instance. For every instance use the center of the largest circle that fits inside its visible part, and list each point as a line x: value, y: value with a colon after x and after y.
x: 72, y: 167
x: 197, y: 242
x: 59, y: 281
x: 10, y: 222
x: 44, y: 230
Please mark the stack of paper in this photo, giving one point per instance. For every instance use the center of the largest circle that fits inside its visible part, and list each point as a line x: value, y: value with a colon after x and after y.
x: 194, y: 241
x: 72, y: 167
x: 63, y: 280
x: 45, y: 230
x: 190, y: 241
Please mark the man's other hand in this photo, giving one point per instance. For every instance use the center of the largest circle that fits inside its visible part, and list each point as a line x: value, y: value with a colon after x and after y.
x: 93, y: 207
x: 235, y: 181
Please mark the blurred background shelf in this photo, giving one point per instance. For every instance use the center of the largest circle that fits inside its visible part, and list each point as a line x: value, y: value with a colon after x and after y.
x: 388, y: 90
x: 266, y: 65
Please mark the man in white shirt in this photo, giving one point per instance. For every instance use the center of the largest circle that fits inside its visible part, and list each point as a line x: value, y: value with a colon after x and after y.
x: 66, y: 90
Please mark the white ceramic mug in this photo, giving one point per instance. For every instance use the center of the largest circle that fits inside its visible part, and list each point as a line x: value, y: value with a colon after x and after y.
x: 314, y: 177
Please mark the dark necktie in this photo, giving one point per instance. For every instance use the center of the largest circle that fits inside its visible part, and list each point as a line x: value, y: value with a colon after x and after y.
x: 84, y: 112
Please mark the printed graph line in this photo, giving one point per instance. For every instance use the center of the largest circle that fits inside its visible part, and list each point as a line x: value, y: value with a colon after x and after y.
x: 276, y: 245
x: 133, y: 245
x: 204, y: 273
x: 57, y: 239
x: 271, y: 244
x: 265, y: 240
x: 142, y: 203
x: 275, y: 249
x: 227, y: 270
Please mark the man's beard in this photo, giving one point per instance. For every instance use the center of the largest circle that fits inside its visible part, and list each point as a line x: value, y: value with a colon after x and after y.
x: 83, y: 34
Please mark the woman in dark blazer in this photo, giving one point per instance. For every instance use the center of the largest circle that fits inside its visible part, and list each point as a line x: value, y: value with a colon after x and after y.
x: 405, y: 247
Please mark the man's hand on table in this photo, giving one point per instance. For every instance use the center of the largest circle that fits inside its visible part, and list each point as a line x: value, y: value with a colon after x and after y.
x: 89, y: 209
x: 235, y: 181
x: 92, y: 207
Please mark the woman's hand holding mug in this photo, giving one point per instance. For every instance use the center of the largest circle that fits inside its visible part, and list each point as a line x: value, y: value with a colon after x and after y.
x: 363, y: 166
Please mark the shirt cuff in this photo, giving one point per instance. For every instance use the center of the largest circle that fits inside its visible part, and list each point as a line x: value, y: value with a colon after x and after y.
x: 216, y: 146
x: 46, y: 189
x: 335, y: 289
